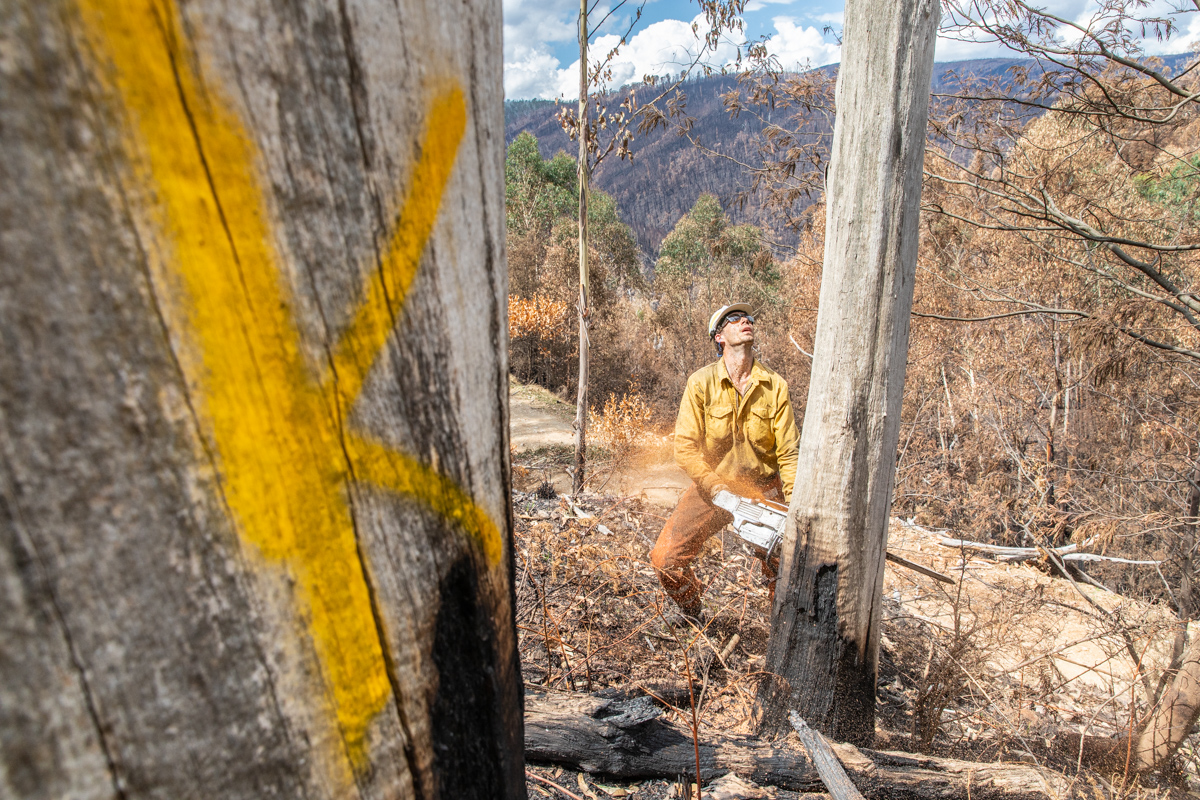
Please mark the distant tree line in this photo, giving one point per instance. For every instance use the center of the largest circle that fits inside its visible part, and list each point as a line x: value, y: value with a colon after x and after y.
x: 649, y: 323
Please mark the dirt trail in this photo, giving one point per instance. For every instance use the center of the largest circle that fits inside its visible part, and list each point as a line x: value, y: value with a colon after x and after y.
x: 538, y: 419
x: 541, y: 435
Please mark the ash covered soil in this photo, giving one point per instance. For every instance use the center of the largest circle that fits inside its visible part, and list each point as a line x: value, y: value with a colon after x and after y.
x: 993, y: 667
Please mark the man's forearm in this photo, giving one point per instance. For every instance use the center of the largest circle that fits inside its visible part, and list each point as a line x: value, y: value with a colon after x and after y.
x: 691, y: 461
x: 787, y: 476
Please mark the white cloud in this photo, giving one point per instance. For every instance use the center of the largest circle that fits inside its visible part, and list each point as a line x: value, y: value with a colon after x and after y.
x: 534, y: 75
x: 531, y: 27
x: 1086, y: 14
x: 667, y: 46
x: 796, y: 46
x: 837, y: 18
x: 759, y: 5
x: 1184, y: 40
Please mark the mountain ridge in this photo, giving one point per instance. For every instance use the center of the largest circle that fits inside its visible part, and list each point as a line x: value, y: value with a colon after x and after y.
x: 667, y: 174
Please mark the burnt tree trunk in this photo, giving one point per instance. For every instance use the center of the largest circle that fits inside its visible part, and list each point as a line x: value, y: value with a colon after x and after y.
x: 254, y: 516
x: 631, y: 739
x: 824, y: 641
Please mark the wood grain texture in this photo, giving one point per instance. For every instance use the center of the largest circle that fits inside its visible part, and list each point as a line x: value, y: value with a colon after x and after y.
x: 629, y: 739
x: 837, y: 783
x: 823, y: 647
x: 254, y: 502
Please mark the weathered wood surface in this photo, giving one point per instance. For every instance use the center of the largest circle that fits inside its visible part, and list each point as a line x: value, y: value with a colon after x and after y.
x: 824, y: 641
x: 1015, y: 555
x: 833, y: 775
x: 583, y: 170
x: 254, y: 505
x: 630, y: 739
x: 1175, y: 717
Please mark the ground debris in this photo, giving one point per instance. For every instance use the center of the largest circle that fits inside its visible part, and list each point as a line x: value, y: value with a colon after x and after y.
x: 992, y: 668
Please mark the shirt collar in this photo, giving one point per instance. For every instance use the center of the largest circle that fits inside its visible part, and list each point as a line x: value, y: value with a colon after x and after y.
x: 757, y: 373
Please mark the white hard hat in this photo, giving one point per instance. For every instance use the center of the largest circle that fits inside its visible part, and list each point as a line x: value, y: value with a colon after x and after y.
x: 716, y: 318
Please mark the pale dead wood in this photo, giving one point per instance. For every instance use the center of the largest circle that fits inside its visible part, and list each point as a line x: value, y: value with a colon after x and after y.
x: 915, y: 567
x: 824, y: 644
x: 828, y: 767
x: 1015, y: 555
x: 1175, y: 717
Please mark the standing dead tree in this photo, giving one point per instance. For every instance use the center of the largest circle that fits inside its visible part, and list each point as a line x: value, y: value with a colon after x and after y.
x: 584, y: 172
x: 590, y: 156
x: 254, y: 515
x: 823, y: 649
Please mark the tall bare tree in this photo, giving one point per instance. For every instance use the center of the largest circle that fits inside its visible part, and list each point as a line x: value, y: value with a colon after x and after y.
x: 584, y: 171
x: 590, y: 155
x: 611, y: 132
x: 823, y: 647
x: 254, y: 516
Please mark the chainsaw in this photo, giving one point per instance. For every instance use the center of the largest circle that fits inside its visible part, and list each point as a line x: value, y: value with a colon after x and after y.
x: 760, y: 522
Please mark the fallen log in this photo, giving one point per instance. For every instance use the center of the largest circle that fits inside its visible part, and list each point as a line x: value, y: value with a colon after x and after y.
x: 630, y: 739
x: 1002, y: 552
x: 915, y: 567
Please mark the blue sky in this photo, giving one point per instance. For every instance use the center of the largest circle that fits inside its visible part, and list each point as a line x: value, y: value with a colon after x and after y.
x: 541, y: 55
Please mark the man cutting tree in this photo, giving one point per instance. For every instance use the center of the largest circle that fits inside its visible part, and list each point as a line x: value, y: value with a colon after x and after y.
x: 735, y: 431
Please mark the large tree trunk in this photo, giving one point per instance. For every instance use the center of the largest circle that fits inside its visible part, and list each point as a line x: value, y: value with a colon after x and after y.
x: 254, y: 518
x: 824, y: 639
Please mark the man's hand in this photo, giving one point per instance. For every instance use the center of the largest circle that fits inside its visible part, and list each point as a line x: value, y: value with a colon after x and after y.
x: 718, y: 488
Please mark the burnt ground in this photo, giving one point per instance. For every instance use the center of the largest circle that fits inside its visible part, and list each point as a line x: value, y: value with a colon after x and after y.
x: 992, y: 668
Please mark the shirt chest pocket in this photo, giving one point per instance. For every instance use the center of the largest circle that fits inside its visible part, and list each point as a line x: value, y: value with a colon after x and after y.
x: 760, y: 429
x: 718, y: 425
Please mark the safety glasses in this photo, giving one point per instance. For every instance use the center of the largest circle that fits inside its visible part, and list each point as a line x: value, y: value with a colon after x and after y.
x: 737, y: 316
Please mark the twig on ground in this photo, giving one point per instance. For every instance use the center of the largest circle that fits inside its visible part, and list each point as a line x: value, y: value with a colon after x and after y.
x: 552, y: 784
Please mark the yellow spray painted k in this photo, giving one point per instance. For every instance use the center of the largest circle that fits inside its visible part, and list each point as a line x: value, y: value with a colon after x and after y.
x: 277, y: 422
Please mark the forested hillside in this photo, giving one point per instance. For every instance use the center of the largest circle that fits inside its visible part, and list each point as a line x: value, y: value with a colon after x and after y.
x: 668, y: 173
x: 1041, y: 392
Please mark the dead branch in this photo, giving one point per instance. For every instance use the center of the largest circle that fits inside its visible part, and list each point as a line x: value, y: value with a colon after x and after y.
x: 828, y: 767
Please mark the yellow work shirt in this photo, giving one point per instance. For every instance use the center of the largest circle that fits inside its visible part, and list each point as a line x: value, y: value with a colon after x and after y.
x: 740, y: 441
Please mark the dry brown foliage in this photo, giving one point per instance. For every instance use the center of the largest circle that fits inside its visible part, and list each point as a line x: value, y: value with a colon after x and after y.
x: 591, y: 613
x: 624, y: 422
x: 1003, y: 666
